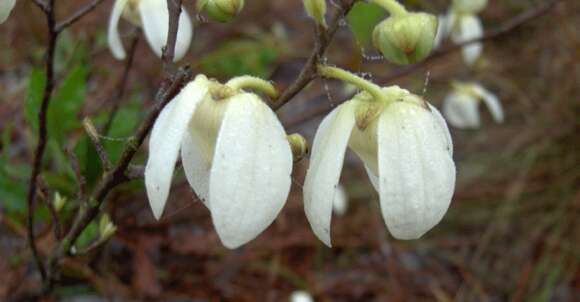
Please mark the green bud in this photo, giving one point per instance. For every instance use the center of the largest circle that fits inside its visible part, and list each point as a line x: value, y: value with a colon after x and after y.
x: 469, y: 6
x: 220, y: 10
x: 316, y: 9
x: 406, y: 38
x: 58, y: 202
x: 106, y: 227
x: 298, y: 145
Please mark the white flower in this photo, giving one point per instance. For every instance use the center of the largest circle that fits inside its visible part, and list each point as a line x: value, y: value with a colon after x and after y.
x: 153, y: 17
x: 460, y: 107
x: 463, y: 24
x: 407, y: 151
x: 235, y: 156
x: 469, y: 6
x: 6, y: 7
x: 466, y: 28
x: 301, y: 296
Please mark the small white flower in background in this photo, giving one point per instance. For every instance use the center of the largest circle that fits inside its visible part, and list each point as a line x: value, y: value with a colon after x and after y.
x: 407, y: 151
x: 463, y: 24
x: 6, y: 7
x: 461, y: 106
x: 234, y: 152
x: 153, y: 17
x: 301, y: 296
x: 340, y: 203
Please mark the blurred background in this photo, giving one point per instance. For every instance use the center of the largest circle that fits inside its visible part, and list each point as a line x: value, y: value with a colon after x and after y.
x: 512, y: 232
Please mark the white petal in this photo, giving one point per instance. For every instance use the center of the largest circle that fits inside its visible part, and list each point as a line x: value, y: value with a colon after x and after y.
x: 373, y: 178
x: 326, y: 162
x: 470, y: 28
x: 165, y: 141
x: 340, y: 204
x: 461, y: 111
x: 113, y: 38
x: 196, y: 165
x: 6, y: 7
x: 443, y: 128
x: 155, y: 20
x: 417, y: 173
x: 250, y: 176
x: 491, y: 101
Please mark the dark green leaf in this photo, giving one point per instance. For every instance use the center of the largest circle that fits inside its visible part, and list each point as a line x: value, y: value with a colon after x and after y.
x: 362, y: 19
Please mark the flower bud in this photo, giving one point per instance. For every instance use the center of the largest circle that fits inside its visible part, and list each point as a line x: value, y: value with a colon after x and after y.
x: 58, y: 202
x: 298, y: 145
x: 106, y: 227
x: 221, y: 10
x: 407, y: 38
x: 316, y: 9
x: 469, y: 6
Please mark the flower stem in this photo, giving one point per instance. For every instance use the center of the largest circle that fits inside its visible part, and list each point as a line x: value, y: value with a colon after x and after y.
x: 392, y: 6
x: 253, y: 83
x: 343, y: 75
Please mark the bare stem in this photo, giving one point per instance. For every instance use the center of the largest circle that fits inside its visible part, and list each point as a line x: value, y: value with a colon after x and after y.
x: 323, y: 39
x: 48, y: 9
x: 254, y: 83
x: 392, y: 6
x: 85, y: 9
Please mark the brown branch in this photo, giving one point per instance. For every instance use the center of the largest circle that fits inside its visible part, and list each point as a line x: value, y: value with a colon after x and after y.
x: 95, y: 139
x: 75, y: 166
x: 84, y: 10
x: 504, y: 29
x: 168, y: 53
x: 43, y: 5
x: 48, y: 8
x: 170, y: 87
x: 323, y: 39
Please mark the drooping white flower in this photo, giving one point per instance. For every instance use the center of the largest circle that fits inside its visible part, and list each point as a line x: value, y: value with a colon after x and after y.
x: 153, y: 17
x: 467, y: 28
x: 407, y: 151
x: 235, y: 156
x: 462, y: 24
x: 461, y: 106
x: 301, y: 296
x: 6, y: 7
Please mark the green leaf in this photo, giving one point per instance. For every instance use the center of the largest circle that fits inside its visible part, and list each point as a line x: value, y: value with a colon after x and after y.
x: 241, y: 57
x: 362, y: 19
x: 66, y: 103
x: 122, y: 126
x: 36, y: 83
x: 89, y: 234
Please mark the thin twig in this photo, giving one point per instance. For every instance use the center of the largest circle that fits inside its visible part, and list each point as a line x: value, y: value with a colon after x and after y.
x: 323, y: 39
x: 43, y: 5
x: 81, y: 181
x: 77, y: 15
x: 48, y: 8
x: 168, y: 53
x: 45, y: 196
x: 170, y: 87
x: 96, y: 140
